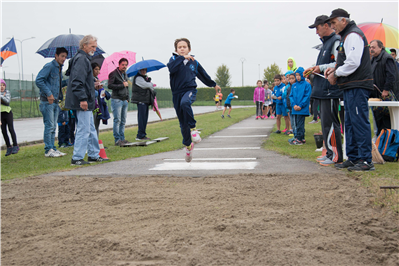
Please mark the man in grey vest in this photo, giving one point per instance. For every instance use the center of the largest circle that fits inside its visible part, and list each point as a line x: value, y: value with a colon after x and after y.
x: 327, y: 94
x: 353, y: 75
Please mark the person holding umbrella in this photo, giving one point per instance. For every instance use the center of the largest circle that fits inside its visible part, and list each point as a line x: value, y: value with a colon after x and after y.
x: 142, y: 91
x: 117, y: 82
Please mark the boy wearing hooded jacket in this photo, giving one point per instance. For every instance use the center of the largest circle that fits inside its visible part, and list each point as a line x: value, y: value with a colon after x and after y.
x: 300, y: 98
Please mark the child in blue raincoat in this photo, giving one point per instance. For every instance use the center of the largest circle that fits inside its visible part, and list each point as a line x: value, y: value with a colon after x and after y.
x: 286, y: 99
x: 300, y: 98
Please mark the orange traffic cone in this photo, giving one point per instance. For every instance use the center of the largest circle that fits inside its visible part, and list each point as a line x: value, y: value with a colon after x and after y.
x: 102, y: 150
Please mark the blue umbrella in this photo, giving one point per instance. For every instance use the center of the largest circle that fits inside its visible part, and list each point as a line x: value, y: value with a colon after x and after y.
x: 68, y: 41
x: 150, y: 65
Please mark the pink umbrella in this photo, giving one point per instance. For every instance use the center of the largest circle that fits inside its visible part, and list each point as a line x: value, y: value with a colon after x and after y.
x: 112, y: 62
x: 156, y: 109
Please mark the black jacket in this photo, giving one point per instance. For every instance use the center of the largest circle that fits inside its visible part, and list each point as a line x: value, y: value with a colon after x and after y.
x: 322, y: 89
x: 81, y: 83
x: 115, y: 83
x: 141, y: 95
x: 385, y: 73
x: 362, y: 77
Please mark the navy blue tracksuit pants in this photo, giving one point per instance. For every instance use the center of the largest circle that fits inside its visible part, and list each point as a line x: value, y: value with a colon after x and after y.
x: 63, y: 134
x: 182, y: 104
x: 357, y: 125
x: 142, y: 118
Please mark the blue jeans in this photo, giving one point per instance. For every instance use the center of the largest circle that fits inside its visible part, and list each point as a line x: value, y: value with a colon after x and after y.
x: 50, y: 117
x: 142, y: 118
x: 299, y: 127
x: 119, y: 110
x: 86, y: 137
x: 182, y: 104
x: 293, y: 126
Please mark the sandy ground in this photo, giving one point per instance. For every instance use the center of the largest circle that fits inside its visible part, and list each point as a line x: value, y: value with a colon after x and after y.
x: 247, y: 219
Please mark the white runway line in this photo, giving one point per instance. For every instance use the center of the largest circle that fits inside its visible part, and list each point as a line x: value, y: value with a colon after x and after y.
x: 247, y: 136
x: 215, y: 159
x: 204, y: 166
x: 247, y: 127
x: 238, y: 148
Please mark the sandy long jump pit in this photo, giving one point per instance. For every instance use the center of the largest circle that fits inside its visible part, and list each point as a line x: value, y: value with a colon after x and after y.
x: 221, y: 220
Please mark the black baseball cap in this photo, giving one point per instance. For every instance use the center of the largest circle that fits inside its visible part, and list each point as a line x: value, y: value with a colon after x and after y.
x: 339, y: 12
x: 320, y: 20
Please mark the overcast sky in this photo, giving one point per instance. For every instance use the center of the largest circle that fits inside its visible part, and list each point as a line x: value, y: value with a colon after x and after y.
x: 220, y: 33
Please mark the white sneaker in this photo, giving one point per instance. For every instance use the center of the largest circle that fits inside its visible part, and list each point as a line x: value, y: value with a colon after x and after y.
x: 189, y: 153
x: 52, y: 153
x: 60, y: 153
x: 195, y: 136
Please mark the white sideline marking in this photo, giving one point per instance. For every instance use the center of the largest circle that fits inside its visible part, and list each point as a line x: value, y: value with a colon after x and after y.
x: 238, y: 148
x: 247, y: 127
x: 247, y: 136
x: 215, y: 159
x: 204, y: 166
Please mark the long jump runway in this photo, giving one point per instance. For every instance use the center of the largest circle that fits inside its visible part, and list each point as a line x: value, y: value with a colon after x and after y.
x: 234, y: 150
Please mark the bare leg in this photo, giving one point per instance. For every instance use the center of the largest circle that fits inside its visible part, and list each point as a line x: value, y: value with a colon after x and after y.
x: 278, y: 122
x: 224, y: 110
x: 287, y: 122
x: 229, y: 110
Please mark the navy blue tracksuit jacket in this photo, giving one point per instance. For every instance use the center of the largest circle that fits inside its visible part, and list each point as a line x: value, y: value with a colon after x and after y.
x: 182, y: 82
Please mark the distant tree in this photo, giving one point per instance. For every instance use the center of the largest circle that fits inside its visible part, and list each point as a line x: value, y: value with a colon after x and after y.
x: 270, y: 72
x: 223, y: 77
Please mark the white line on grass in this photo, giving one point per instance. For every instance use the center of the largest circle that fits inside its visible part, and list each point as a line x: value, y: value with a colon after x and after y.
x: 215, y: 159
x: 204, y: 166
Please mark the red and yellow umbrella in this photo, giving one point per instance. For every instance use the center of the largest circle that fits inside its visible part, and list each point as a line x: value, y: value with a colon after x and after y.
x: 389, y: 35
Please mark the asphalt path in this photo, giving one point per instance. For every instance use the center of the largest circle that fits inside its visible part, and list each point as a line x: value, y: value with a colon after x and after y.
x: 236, y: 149
x: 30, y: 130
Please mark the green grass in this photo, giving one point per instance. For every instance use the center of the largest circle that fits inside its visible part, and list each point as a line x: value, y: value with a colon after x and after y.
x: 384, y: 175
x: 30, y: 160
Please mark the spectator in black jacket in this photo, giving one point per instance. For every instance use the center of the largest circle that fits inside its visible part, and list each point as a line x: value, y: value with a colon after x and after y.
x: 385, y: 76
x: 141, y: 95
x: 393, y: 53
x: 80, y: 96
x: 117, y: 82
x: 328, y: 95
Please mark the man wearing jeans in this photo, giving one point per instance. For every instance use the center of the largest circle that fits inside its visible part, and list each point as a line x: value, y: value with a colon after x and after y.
x: 49, y: 81
x: 80, y: 96
x: 117, y: 82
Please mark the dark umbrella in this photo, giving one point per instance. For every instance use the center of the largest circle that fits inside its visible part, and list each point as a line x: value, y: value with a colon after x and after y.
x: 99, y: 59
x: 68, y: 41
